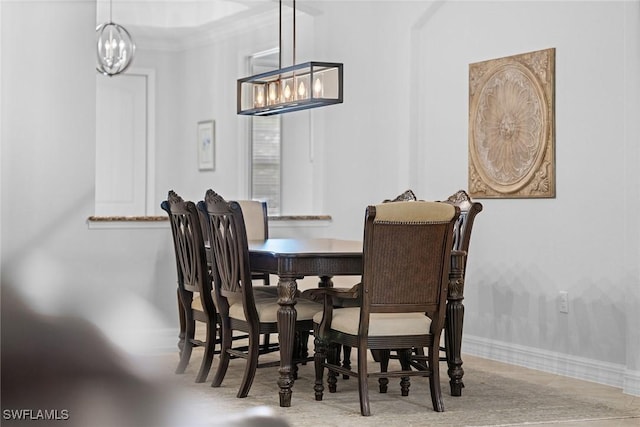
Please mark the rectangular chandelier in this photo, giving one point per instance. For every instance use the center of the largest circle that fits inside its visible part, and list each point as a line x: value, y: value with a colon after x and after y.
x: 298, y: 87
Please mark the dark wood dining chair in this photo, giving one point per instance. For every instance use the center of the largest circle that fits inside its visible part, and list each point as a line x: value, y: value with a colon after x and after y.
x: 239, y: 308
x: 451, y: 350
x: 195, y: 302
x: 406, y: 196
x: 256, y: 223
x: 402, y: 298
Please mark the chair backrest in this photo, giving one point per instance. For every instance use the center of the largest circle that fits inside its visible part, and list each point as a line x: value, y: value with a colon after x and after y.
x: 228, y: 239
x: 468, y: 211
x: 407, y: 196
x: 407, y: 250
x: 190, y: 252
x: 255, y: 219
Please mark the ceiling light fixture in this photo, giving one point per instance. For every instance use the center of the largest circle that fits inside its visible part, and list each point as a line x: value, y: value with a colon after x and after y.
x: 115, y: 47
x: 298, y: 87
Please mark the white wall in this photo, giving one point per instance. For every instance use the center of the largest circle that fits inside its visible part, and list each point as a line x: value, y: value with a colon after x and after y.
x: 48, y: 169
x: 631, y: 237
x: 403, y: 125
x: 525, y: 251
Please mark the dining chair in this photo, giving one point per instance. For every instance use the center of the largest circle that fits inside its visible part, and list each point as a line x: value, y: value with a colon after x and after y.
x: 451, y: 350
x: 239, y: 308
x: 256, y: 223
x: 402, y: 298
x: 195, y: 302
x: 406, y: 196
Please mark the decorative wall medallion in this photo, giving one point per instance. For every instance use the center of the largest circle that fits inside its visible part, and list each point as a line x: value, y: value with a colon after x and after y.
x: 511, y: 126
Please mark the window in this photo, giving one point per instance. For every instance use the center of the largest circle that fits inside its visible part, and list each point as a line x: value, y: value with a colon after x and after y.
x: 266, y: 168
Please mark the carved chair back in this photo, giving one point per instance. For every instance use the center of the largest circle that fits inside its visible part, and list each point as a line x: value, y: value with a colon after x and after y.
x: 230, y: 253
x: 468, y: 211
x: 190, y: 253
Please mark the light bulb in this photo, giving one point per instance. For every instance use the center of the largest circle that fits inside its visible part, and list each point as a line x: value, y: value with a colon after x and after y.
x: 259, y: 97
x: 302, y: 91
x: 272, y: 92
x: 317, y: 87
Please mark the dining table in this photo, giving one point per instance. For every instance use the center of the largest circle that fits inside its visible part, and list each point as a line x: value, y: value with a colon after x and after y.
x: 292, y: 259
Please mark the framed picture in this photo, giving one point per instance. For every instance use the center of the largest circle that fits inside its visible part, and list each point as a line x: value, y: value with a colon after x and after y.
x: 512, y: 126
x: 206, y: 145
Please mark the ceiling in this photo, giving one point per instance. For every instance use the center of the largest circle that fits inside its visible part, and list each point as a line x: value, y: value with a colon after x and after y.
x: 173, y: 24
x: 171, y: 13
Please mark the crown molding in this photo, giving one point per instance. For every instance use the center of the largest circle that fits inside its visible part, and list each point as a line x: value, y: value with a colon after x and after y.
x: 180, y: 39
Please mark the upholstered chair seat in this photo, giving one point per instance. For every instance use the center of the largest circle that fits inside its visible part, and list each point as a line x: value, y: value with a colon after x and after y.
x: 346, y: 320
x: 267, y: 309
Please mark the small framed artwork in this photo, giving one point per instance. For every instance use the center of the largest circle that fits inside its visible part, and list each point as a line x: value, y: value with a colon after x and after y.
x: 206, y: 145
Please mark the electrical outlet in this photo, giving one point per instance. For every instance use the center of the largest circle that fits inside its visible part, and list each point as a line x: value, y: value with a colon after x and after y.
x: 564, y: 302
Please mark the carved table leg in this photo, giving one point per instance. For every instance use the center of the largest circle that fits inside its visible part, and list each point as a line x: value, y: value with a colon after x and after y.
x: 287, y: 288
x: 453, y: 324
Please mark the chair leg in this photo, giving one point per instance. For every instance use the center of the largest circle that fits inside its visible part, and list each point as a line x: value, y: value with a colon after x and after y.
x: 319, y: 357
x: 332, y: 359
x: 225, y: 344
x: 187, y: 347
x: 183, y: 325
x: 434, y: 377
x: 265, y: 342
x: 301, y: 346
x: 252, y: 364
x: 405, y: 383
x: 346, y: 360
x: 304, y: 346
x: 363, y: 388
x: 209, y: 350
x: 383, y: 357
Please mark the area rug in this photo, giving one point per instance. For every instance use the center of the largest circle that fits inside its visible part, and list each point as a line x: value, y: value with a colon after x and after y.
x: 489, y: 398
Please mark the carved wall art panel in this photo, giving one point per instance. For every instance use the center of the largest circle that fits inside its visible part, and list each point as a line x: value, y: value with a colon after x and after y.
x: 511, y: 126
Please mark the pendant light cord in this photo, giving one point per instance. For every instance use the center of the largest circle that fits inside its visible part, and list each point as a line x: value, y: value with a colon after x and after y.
x: 280, y: 34
x: 110, y: 11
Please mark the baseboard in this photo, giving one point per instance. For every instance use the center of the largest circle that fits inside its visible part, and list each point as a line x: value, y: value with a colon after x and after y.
x: 631, y: 383
x: 615, y: 375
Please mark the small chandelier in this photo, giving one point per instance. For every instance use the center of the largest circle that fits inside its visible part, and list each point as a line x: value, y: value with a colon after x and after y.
x: 298, y: 87
x: 115, y: 47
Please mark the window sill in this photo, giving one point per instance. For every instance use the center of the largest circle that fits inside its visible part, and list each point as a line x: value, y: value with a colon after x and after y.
x: 299, y: 221
x: 161, y: 221
x: 116, y: 222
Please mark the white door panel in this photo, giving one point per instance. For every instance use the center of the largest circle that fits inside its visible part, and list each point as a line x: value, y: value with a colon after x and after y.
x: 121, y: 145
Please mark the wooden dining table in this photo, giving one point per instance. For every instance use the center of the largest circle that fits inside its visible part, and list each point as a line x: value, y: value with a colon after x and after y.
x: 294, y: 259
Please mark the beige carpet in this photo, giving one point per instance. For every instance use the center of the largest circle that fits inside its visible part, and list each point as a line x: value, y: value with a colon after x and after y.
x: 495, y: 395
